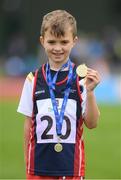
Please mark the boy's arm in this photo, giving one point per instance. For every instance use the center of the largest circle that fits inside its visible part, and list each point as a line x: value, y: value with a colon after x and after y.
x: 92, y: 113
x: 27, y: 126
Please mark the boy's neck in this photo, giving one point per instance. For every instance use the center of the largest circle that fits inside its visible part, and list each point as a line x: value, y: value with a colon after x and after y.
x: 56, y: 66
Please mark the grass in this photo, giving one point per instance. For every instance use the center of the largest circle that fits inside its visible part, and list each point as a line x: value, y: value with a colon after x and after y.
x: 102, y: 145
x: 11, y: 142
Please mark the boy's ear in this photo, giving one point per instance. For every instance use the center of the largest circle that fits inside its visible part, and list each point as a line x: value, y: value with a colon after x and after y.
x: 41, y: 40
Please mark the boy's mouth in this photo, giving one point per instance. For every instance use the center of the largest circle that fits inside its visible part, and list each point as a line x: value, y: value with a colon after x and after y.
x: 58, y: 54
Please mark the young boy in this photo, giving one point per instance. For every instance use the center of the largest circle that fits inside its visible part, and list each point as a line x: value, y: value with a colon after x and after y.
x: 56, y: 102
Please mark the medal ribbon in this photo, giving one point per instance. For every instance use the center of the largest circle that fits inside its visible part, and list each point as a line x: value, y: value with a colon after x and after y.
x: 52, y: 83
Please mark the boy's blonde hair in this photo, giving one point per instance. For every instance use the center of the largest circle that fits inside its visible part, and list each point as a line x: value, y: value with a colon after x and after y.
x: 58, y: 21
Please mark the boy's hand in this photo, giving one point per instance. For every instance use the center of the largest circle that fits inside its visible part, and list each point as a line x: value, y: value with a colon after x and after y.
x: 92, y: 79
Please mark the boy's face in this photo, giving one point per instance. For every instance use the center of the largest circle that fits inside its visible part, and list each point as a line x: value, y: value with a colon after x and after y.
x: 58, y: 48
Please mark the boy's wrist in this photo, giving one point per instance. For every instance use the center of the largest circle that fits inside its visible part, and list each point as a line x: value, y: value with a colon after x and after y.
x: 90, y: 92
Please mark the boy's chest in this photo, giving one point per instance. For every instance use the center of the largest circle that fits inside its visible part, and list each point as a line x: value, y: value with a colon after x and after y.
x: 45, y: 115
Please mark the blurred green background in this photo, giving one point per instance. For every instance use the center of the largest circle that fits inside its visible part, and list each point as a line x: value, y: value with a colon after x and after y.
x: 99, y: 46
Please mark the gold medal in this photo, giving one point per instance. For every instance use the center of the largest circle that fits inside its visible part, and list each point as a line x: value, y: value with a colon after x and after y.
x: 81, y: 70
x: 58, y: 147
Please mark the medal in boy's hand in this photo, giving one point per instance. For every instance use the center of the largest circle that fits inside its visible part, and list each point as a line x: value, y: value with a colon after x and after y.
x: 81, y: 70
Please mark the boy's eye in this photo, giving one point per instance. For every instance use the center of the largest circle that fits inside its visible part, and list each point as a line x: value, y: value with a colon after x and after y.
x: 51, y: 42
x: 64, y: 42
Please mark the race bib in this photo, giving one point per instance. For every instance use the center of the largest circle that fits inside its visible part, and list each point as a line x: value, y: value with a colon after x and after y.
x: 46, y: 123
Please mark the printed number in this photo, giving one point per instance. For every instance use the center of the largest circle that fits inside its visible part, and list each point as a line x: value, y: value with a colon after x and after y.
x: 46, y: 134
x: 68, y: 129
x: 50, y: 123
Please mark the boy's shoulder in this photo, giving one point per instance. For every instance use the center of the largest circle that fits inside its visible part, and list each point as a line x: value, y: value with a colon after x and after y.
x: 32, y: 74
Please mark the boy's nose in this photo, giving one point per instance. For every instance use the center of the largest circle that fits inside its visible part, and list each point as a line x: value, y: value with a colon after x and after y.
x: 57, y: 48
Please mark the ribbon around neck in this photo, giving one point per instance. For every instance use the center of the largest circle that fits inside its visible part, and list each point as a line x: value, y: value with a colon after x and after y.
x: 51, y: 83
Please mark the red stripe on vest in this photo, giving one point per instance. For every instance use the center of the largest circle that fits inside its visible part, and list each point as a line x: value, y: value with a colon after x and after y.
x: 83, y: 160
x: 79, y: 152
x: 31, y: 149
x: 79, y: 162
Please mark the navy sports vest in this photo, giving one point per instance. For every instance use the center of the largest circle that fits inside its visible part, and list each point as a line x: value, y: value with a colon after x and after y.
x: 42, y: 158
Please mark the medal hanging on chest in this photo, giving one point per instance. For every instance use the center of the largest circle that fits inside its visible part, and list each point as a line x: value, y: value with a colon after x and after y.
x: 58, y: 147
x: 59, y: 116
